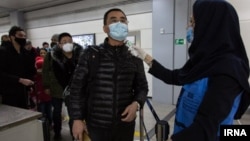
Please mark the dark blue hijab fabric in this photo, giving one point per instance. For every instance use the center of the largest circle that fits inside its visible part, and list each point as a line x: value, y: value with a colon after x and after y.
x: 217, y: 47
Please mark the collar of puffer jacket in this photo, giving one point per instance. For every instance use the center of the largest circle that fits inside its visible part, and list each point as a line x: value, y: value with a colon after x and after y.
x: 119, y: 49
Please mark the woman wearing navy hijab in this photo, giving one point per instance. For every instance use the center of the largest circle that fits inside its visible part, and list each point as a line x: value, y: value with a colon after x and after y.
x: 214, y: 80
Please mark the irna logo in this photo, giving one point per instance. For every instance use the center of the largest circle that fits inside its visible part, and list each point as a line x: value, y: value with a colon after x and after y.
x: 234, y: 132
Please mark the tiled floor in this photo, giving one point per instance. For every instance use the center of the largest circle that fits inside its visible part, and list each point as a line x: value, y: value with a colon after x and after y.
x: 162, y: 111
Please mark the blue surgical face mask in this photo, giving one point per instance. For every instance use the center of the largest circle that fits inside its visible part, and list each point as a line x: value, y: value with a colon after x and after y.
x: 118, y: 31
x: 190, y: 34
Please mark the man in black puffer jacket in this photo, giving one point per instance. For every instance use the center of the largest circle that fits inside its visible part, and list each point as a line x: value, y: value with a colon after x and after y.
x: 119, y: 87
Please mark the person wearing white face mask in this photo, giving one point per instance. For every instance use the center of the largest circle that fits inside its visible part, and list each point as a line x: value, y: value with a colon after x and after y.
x: 67, y: 47
x: 59, y: 65
x: 118, y: 89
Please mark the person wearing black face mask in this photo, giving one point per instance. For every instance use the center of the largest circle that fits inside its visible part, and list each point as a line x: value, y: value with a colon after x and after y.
x: 20, y: 41
x: 5, y: 39
x: 15, y: 78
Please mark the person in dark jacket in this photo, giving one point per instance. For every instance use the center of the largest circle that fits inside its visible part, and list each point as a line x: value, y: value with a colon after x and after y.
x: 32, y: 54
x: 14, y: 73
x: 108, y: 103
x: 214, y: 80
x: 4, y: 38
x: 58, y: 67
x: 54, y: 40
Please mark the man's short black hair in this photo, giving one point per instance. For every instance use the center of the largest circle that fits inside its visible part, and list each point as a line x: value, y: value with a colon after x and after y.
x: 4, y: 36
x: 45, y: 43
x: 14, y: 29
x: 43, y: 49
x: 63, y: 35
x: 111, y: 10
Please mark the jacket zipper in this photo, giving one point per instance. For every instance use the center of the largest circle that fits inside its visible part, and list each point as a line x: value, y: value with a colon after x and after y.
x: 115, y: 88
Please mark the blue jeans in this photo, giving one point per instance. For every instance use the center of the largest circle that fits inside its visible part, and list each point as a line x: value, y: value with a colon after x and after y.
x: 46, y: 109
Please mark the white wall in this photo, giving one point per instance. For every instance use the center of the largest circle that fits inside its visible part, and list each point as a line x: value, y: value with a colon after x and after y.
x: 243, y: 9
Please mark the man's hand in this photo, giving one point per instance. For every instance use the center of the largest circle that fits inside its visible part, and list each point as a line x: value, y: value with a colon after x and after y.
x: 129, y: 113
x: 78, y: 128
x: 26, y: 82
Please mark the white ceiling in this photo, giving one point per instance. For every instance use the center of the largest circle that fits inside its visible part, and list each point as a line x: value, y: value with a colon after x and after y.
x: 6, y: 6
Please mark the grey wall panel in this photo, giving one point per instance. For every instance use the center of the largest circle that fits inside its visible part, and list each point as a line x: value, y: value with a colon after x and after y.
x: 162, y: 45
x: 163, y: 15
x: 17, y: 18
x: 170, y: 19
x: 181, y: 20
x: 163, y: 52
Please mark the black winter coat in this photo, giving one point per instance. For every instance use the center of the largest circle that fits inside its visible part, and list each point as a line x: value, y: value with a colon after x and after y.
x: 58, y: 69
x: 64, y: 67
x: 119, y: 80
x: 14, y: 66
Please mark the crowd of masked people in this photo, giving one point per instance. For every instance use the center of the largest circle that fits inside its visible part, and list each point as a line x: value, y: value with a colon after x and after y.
x: 34, y: 78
